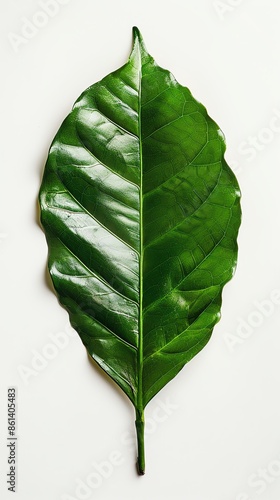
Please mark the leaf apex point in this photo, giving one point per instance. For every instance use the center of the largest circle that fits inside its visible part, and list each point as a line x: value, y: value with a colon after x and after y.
x: 136, y: 31
x: 138, y: 39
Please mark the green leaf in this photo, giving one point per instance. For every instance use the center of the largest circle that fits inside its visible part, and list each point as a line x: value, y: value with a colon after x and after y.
x: 141, y: 214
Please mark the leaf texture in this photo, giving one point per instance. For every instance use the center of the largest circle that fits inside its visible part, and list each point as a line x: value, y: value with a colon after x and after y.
x: 141, y: 213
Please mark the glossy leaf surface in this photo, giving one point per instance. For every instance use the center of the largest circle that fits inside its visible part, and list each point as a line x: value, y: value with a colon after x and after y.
x: 141, y: 214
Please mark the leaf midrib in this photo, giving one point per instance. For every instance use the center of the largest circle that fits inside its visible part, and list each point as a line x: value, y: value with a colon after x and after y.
x: 140, y: 347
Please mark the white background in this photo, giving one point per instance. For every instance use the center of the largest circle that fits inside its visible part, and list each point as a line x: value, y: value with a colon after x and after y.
x: 218, y: 438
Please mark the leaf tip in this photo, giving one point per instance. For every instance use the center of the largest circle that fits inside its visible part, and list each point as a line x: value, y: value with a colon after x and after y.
x: 136, y: 33
x: 138, y: 39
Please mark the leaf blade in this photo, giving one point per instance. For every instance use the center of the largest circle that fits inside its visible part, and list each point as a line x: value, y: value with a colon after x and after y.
x: 141, y: 214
